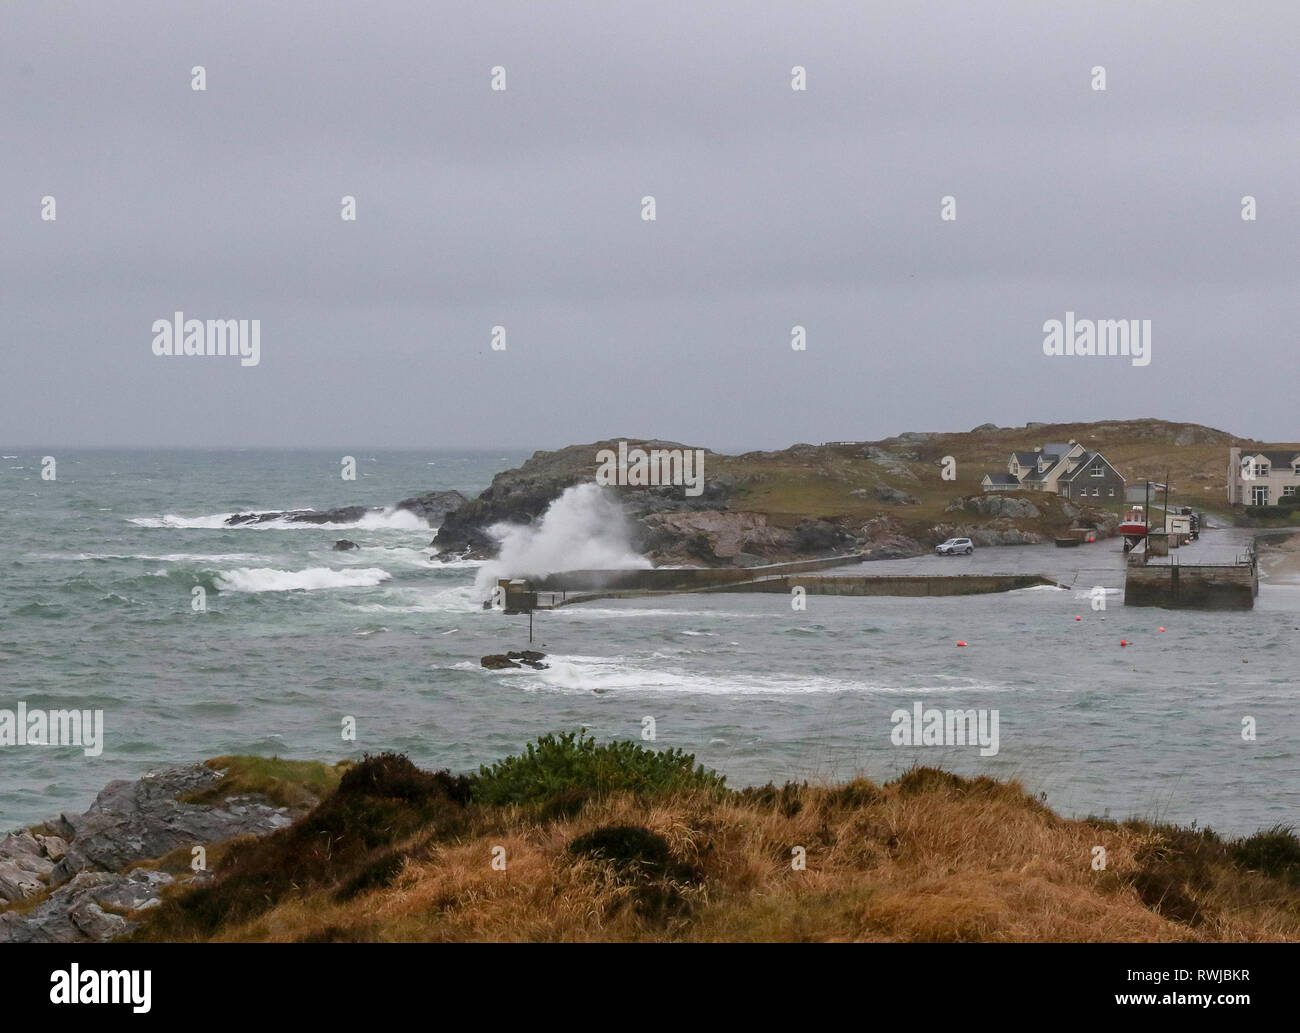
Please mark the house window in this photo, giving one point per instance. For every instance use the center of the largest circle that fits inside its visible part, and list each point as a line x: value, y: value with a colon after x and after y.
x: 1096, y: 492
x: 1289, y: 490
x: 1097, y: 471
x: 1110, y: 492
x: 1259, y: 495
x: 1261, y: 469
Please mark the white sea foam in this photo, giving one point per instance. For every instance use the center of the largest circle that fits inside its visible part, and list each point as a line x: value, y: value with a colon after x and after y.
x: 575, y: 674
x: 583, y: 529
x: 245, y: 558
x: 636, y: 612
x: 379, y: 520
x: 267, y: 579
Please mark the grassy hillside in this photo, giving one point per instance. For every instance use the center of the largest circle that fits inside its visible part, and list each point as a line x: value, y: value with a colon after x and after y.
x: 617, y: 842
x: 819, y: 480
x: 883, y: 497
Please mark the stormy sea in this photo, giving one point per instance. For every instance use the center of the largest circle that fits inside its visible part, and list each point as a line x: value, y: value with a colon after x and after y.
x: 292, y: 638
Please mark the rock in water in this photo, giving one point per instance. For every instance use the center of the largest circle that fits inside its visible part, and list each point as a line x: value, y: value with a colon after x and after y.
x: 343, y: 545
x: 515, y: 658
x: 433, y: 506
x: 344, y: 515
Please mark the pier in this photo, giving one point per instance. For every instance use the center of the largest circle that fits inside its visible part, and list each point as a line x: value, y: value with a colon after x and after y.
x: 1219, y: 571
x: 836, y: 575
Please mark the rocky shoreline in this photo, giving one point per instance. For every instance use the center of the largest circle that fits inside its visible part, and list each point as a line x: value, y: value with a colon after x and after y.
x: 430, y: 507
x: 86, y: 878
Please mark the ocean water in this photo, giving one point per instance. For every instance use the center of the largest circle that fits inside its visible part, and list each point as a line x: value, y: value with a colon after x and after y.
x: 95, y: 613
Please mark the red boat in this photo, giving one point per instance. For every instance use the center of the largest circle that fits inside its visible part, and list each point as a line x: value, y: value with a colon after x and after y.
x: 1133, y: 527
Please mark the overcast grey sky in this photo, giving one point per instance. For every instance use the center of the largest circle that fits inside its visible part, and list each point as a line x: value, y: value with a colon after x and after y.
x: 523, y: 208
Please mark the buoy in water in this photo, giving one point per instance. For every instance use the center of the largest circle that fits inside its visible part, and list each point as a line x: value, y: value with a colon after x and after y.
x: 1122, y: 642
x: 1162, y: 629
x: 961, y: 643
x: 1078, y: 618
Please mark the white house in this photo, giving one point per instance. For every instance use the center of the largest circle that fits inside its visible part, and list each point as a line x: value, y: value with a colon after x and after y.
x: 1262, y: 478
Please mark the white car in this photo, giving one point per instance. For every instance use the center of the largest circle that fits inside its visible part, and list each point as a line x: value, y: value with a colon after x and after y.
x: 955, y: 547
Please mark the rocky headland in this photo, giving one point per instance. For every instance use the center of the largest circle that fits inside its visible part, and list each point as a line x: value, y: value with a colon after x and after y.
x: 891, y: 498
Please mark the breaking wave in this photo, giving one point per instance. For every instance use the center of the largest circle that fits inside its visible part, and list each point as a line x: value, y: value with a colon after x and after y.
x: 379, y: 520
x: 583, y: 529
x: 267, y: 579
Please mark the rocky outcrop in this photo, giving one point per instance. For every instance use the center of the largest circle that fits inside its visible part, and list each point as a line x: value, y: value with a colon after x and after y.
x: 343, y: 545
x: 92, y: 907
x: 430, y: 507
x: 521, y: 495
x: 433, y: 506
x: 745, y: 539
x: 88, y: 864
x: 343, y: 515
x: 996, y: 505
x: 884, y: 493
x: 515, y: 658
x: 882, y: 538
x: 896, y: 461
x: 1000, y: 532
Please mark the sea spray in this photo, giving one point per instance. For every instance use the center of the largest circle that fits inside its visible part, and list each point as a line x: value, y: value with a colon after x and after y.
x: 583, y: 529
x: 268, y: 579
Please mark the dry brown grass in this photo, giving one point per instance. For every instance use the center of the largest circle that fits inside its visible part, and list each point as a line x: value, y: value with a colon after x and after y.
x: 930, y: 857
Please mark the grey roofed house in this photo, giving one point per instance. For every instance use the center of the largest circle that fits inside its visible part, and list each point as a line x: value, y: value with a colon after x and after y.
x: 1054, y: 468
x: 1092, y: 476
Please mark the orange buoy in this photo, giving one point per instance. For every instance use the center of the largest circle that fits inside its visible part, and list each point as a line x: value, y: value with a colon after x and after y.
x: 1162, y: 629
x: 961, y: 643
x: 1078, y: 618
x: 1122, y: 642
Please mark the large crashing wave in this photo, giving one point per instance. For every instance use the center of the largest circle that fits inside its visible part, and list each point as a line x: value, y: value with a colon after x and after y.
x: 583, y: 529
x: 268, y: 579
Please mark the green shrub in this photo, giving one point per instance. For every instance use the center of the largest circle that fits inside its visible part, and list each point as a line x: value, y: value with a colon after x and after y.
x: 1275, y: 852
x: 1283, y: 509
x: 561, y: 763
